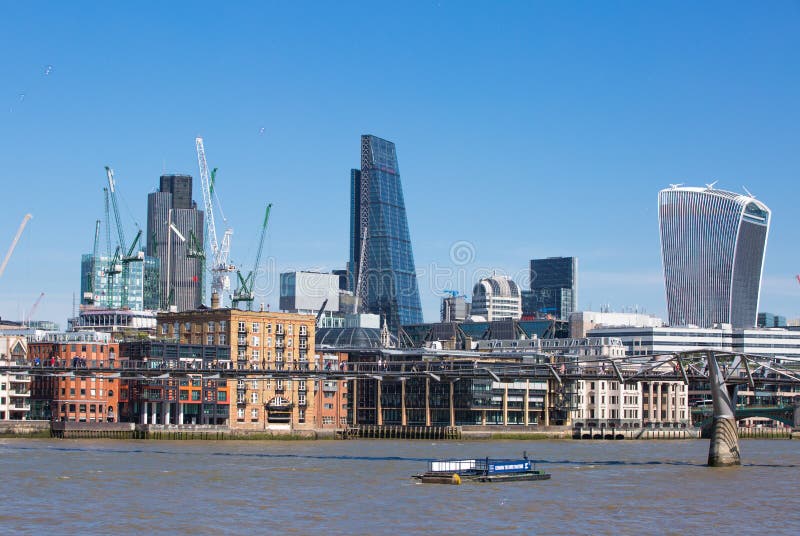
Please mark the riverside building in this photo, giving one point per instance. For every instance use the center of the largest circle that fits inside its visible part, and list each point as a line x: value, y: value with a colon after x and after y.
x: 258, y: 341
x: 712, y: 244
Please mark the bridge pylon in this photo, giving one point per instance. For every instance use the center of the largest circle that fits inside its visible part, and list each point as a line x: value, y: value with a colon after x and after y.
x: 724, y: 448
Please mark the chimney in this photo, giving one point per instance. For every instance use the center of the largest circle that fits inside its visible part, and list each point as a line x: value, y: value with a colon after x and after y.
x: 214, y: 300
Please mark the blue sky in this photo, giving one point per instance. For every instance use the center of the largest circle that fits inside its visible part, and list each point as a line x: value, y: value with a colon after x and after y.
x: 525, y: 129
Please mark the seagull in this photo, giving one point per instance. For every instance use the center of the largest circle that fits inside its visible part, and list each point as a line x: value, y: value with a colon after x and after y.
x: 711, y: 186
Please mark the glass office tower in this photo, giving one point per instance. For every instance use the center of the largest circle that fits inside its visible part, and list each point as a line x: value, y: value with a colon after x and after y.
x: 712, y: 244
x: 388, y: 286
x: 554, y: 288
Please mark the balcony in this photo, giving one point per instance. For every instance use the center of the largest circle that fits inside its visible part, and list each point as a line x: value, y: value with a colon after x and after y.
x: 330, y: 386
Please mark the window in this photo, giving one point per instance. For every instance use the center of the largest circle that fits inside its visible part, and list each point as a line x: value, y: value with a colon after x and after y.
x: 209, y: 340
x: 242, y: 329
x: 290, y: 329
x: 254, y: 384
x: 327, y: 420
x: 223, y: 339
x: 301, y: 415
x: 187, y: 326
x: 254, y: 414
x: 328, y: 406
x: 256, y: 340
x: 222, y: 396
x: 211, y: 326
x: 256, y: 354
x: 240, y: 414
x: 301, y: 385
x: 303, y: 330
x: 184, y: 394
x: 164, y: 329
x: 256, y: 327
x: 196, y: 395
x: 254, y: 398
x: 269, y: 328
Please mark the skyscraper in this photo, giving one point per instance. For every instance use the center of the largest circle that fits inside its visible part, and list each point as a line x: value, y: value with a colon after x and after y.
x: 379, y: 228
x: 496, y: 298
x: 713, y: 244
x: 181, y: 273
x: 554, y: 288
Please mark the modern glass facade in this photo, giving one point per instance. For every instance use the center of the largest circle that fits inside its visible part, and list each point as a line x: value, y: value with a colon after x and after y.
x: 554, y: 288
x: 712, y: 244
x: 388, y: 286
x: 142, y: 281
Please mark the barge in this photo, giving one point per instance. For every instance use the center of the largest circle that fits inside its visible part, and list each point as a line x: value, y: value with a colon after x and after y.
x: 480, y: 470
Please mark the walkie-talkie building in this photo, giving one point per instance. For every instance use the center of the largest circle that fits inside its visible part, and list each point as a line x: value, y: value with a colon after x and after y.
x: 379, y: 228
x: 712, y: 244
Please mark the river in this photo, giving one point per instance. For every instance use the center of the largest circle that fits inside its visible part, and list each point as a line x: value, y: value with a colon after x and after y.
x: 364, y: 487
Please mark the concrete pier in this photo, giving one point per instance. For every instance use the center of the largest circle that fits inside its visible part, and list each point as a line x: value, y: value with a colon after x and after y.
x: 724, y: 448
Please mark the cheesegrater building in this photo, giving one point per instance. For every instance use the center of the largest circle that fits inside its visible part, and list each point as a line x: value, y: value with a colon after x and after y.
x: 712, y: 244
x: 388, y: 286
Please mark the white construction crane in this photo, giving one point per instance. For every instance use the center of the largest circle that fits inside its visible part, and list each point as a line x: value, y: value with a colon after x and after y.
x: 14, y: 243
x: 220, y: 267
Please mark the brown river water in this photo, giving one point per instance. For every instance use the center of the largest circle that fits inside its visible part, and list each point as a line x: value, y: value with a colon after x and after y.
x: 364, y: 487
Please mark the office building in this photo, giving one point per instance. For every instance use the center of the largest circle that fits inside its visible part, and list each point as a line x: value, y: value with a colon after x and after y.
x: 581, y: 322
x: 496, y: 298
x: 769, y: 320
x: 135, y: 287
x: 306, y: 292
x: 455, y: 309
x: 379, y: 228
x: 712, y: 244
x: 554, y: 288
x: 181, y: 269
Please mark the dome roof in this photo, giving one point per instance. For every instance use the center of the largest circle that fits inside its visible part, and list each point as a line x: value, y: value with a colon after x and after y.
x: 350, y: 338
x: 498, y: 286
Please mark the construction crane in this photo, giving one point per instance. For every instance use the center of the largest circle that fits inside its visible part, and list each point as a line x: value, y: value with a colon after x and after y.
x: 126, y: 254
x: 89, y: 296
x: 245, y: 292
x: 113, y: 267
x: 33, y: 308
x: 361, y: 281
x: 7, y: 258
x: 319, y: 313
x: 220, y: 267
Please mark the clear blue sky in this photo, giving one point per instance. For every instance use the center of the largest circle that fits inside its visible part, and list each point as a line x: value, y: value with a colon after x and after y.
x: 527, y: 129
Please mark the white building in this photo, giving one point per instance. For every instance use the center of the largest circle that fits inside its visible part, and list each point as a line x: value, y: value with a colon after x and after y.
x: 496, y: 298
x: 581, y: 347
x: 769, y: 342
x: 581, y: 322
x: 15, y: 389
x: 305, y: 292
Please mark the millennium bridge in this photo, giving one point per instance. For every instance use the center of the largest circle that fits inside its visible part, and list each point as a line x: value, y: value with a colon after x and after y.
x: 725, y: 372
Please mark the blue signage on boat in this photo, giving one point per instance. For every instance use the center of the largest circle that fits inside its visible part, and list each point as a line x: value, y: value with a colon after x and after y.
x: 509, y: 466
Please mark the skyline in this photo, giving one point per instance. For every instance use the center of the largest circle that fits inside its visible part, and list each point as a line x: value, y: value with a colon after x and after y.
x: 491, y: 109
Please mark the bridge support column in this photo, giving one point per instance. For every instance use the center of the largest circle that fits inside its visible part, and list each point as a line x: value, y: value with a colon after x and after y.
x: 427, y: 401
x: 378, y: 407
x: 144, y: 412
x: 724, y: 448
x: 546, y: 405
x: 797, y: 416
x: 651, y: 403
x: 354, y: 403
x: 526, y: 403
x: 403, y: 414
x: 658, y: 402
x: 505, y: 405
x: 452, y: 404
